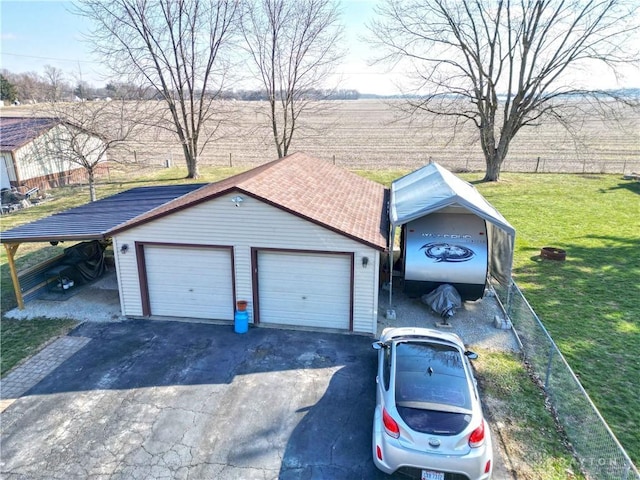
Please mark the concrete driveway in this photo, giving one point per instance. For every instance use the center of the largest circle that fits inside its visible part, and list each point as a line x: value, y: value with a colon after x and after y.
x: 150, y: 399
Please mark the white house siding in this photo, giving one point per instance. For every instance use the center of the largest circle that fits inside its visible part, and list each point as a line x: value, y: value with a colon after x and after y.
x: 252, y: 224
x: 34, y: 162
x: 7, y: 173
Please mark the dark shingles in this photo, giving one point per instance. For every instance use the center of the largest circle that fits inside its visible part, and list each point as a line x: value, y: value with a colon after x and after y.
x: 16, y: 132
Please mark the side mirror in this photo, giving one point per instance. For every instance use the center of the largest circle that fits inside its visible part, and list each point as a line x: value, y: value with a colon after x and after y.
x: 378, y: 345
x: 471, y: 355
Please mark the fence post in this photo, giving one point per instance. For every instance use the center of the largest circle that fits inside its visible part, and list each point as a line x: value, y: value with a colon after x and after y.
x: 507, y: 306
x: 548, y: 373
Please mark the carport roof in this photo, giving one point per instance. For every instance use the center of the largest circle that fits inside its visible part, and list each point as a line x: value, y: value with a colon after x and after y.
x: 310, y: 188
x: 94, y: 220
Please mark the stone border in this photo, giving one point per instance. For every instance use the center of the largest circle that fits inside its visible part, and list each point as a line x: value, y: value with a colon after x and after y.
x: 33, y: 370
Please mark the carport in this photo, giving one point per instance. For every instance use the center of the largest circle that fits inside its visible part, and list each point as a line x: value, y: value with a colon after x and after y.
x: 92, y: 221
x: 433, y: 189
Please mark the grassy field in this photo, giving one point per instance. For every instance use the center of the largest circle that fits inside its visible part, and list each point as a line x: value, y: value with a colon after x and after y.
x: 588, y: 303
x: 372, y: 135
x: 535, y: 447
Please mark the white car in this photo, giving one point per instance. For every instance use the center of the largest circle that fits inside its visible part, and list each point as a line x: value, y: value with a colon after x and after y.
x: 428, y: 423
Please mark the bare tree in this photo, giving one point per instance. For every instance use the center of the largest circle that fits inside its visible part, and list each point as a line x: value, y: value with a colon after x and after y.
x: 54, y: 77
x: 29, y: 85
x: 293, y: 46
x: 503, y: 65
x: 86, y: 133
x: 176, y: 47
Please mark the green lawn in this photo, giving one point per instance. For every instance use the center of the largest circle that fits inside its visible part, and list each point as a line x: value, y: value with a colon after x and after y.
x: 588, y: 303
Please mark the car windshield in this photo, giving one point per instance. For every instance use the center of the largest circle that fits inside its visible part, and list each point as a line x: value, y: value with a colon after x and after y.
x: 431, y: 389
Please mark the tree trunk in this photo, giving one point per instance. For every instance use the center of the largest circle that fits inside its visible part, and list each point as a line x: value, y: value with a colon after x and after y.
x: 494, y: 155
x: 492, y: 173
x: 494, y: 162
x: 192, y: 168
x: 92, y: 185
x: 192, y: 163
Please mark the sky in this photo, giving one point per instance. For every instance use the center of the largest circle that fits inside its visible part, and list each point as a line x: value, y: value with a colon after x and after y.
x: 38, y: 33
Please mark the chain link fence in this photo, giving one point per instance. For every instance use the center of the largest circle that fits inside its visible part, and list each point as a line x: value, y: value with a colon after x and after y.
x: 596, y: 447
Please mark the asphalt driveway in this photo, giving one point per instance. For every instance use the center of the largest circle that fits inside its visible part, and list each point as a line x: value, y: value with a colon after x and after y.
x: 150, y: 399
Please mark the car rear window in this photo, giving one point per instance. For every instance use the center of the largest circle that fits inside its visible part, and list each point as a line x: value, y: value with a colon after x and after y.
x: 434, y: 422
x: 431, y: 388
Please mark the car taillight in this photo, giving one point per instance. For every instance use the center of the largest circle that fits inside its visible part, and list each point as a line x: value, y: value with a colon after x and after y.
x: 487, y: 467
x: 476, y: 439
x: 390, y: 425
x: 379, y: 452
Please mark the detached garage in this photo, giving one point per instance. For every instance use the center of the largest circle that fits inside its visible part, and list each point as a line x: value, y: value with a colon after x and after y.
x: 299, y: 239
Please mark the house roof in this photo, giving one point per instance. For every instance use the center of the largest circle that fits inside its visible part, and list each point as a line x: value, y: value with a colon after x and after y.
x: 16, y: 132
x: 94, y: 220
x: 313, y: 189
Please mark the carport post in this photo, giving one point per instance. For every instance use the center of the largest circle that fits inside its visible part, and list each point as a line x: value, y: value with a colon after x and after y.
x: 391, y: 242
x: 11, y: 252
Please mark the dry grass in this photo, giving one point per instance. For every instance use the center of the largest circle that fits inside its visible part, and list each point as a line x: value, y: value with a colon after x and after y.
x: 371, y: 134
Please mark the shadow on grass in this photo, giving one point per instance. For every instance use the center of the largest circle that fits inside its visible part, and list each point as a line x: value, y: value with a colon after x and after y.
x: 632, y: 186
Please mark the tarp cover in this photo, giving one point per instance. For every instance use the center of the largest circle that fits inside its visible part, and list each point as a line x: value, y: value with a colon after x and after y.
x: 432, y: 188
x: 87, y: 258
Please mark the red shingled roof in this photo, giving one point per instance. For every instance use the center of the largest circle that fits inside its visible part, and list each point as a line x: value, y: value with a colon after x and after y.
x: 313, y: 189
x: 16, y: 132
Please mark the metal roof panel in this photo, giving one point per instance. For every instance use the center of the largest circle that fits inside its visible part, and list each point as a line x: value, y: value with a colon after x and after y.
x: 93, y: 220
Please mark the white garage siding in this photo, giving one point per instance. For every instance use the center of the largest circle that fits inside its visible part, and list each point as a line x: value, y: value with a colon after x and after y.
x: 188, y: 282
x: 304, y: 288
x: 253, y: 224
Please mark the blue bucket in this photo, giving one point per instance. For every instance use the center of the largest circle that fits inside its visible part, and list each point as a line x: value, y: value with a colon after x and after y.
x: 241, y: 322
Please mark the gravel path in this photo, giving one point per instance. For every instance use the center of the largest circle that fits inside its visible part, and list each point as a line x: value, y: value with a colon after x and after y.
x: 98, y: 302
x: 474, y: 322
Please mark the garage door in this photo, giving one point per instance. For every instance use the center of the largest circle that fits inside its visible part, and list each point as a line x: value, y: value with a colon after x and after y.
x: 189, y: 282
x: 306, y: 289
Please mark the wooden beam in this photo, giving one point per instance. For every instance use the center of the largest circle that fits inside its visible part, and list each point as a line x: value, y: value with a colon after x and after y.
x: 11, y: 252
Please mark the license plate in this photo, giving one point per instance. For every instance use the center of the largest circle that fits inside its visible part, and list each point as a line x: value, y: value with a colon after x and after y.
x: 431, y: 475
